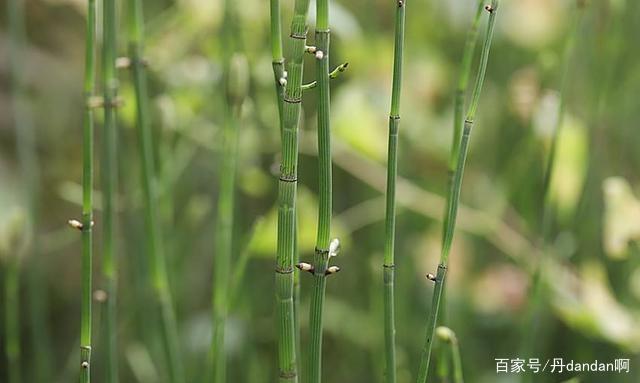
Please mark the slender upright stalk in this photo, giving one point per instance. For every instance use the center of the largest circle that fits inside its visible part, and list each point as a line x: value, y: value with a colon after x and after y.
x: 547, y: 208
x: 280, y: 78
x: 463, y: 84
x: 25, y: 134
x: 109, y: 175
x: 236, y: 84
x: 287, y: 185
x: 87, y: 197
x: 322, y: 254
x: 390, y: 221
x: 278, y: 59
x: 154, y: 248
x: 440, y: 276
x: 449, y: 338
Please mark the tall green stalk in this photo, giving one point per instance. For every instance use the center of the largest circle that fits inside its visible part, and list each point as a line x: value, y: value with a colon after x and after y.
x: 322, y: 251
x: 236, y: 84
x: 458, y: 114
x: 390, y: 221
x: 157, y: 263
x: 40, y: 337
x: 450, y: 217
x: 450, y: 340
x: 277, y: 55
x: 110, y: 165
x: 537, y: 295
x: 87, y: 197
x: 287, y: 185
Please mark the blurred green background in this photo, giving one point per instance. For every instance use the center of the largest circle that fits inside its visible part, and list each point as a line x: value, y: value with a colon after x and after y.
x: 592, y: 284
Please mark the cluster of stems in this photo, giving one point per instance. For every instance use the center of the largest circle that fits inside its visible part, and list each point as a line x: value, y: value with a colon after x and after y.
x: 87, y: 196
x: 109, y: 181
x: 460, y: 152
x: 157, y: 263
x: 289, y: 104
x: 390, y: 219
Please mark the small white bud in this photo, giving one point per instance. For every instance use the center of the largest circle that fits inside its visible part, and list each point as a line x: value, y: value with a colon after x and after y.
x: 334, y: 247
x: 285, y: 74
x: 304, y: 266
x: 283, y: 81
x: 74, y: 223
x: 333, y: 269
x: 85, y: 365
x: 123, y: 62
x: 431, y: 277
x: 319, y: 55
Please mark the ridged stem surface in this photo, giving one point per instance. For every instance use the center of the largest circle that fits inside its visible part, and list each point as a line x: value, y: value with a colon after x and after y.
x: 321, y: 257
x: 287, y: 185
x: 390, y: 214
x: 423, y: 371
x: 87, y: 197
x: 157, y: 263
x: 110, y: 91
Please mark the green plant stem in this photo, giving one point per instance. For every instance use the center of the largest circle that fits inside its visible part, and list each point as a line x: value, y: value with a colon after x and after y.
x: 110, y: 93
x: 236, y: 84
x: 276, y: 53
x: 458, y: 115
x: 332, y: 76
x: 157, y: 263
x: 40, y: 337
x: 287, y: 185
x: 321, y: 257
x: 87, y: 198
x: 390, y: 219
x: 455, y: 196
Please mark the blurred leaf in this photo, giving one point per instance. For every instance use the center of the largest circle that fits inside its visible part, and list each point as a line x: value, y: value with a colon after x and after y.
x: 570, y: 166
x: 587, y: 304
x: 355, y: 123
x: 621, y: 223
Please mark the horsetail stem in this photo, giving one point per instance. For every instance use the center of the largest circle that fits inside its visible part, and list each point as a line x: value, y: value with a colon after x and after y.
x: 87, y: 197
x: 322, y: 251
x: 110, y: 178
x: 154, y: 248
x: 449, y: 338
x: 390, y: 220
x: 287, y: 185
x: 277, y: 56
x: 451, y: 214
x: 458, y: 119
x: 236, y: 86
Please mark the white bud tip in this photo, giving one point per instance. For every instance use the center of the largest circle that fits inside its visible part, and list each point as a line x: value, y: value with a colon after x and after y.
x: 334, y: 247
x: 100, y: 296
x: 123, y: 62
x: 304, y: 266
x: 285, y: 74
x: 444, y: 333
x: 319, y: 55
x: 333, y: 269
x: 85, y: 364
x: 74, y: 223
x: 283, y: 81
